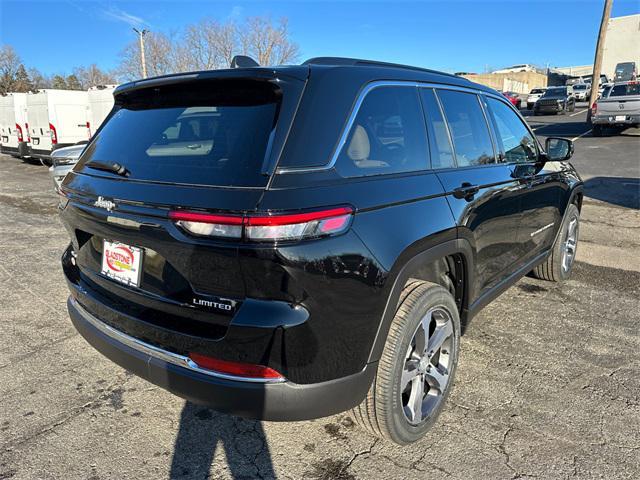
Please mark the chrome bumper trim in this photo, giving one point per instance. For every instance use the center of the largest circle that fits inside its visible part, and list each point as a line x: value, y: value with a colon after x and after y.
x: 161, y: 354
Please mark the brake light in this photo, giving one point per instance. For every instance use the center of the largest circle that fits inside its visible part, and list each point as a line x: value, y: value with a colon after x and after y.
x: 19, y: 130
x: 298, y: 226
x: 594, y: 108
x: 89, y: 130
x: 261, y: 228
x: 204, y: 224
x: 237, y: 369
x: 54, y: 134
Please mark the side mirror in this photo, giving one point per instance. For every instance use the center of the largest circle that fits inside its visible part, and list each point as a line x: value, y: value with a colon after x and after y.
x: 558, y: 149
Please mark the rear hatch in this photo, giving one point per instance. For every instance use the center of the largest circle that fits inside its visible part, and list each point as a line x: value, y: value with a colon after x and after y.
x: 38, y: 117
x: 201, y: 143
x: 623, y: 100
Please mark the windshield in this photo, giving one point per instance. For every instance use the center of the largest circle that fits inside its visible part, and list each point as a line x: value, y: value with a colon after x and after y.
x: 555, y: 92
x: 625, y: 89
x: 206, y: 136
x: 580, y: 87
x: 537, y: 90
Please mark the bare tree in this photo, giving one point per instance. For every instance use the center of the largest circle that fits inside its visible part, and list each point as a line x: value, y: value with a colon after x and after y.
x: 9, y: 64
x: 38, y: 80
x: 92, y: 75
x: 207, y: 45
x: 267, y: 43
x: 210, y: 44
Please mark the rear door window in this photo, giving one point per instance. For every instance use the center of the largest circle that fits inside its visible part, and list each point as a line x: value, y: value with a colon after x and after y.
x: 468, y: 127
x: 439, y: 142
x: 387, y: 136
x: 202, y: 136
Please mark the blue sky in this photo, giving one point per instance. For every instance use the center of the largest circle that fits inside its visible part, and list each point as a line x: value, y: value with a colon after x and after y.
x: 452, y: 35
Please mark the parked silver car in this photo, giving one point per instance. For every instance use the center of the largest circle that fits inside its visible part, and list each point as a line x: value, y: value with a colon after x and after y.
x: 62, y: 161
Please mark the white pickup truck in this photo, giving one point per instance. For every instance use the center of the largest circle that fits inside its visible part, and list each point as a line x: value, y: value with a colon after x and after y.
x: 621, y: 108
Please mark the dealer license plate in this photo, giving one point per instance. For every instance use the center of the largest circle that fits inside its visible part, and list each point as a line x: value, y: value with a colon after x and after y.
x: 122, y: 262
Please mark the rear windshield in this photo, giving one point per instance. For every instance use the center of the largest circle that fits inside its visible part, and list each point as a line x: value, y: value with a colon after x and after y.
x: 624, y: 67
x: 214, y: 133
x: 623, y: 90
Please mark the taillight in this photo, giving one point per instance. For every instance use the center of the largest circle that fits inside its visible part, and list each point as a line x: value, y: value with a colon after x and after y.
x: 89, y: 130
x: 237, y: 369
x: 298, y: 226
x: 204, y: 224
x: 28, y: 133
x: 266, y: 228
x: 54, y: 134
x: 19, y: 130
x: 594, y: 108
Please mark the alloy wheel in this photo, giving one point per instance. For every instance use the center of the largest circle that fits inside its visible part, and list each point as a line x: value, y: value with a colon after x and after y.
x: 427, y: 366
x: 570, y: 245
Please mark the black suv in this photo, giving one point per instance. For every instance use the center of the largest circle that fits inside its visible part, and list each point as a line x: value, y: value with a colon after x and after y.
x: 556, y: 100
x: 288, y: 243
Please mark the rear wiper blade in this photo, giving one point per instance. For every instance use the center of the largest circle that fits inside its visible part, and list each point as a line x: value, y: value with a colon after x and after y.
x: 109, y: 167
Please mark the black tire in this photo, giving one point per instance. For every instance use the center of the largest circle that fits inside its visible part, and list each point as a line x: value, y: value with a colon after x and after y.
x: 382, y: 411
x: 596, y: 131
x: 552, y: 268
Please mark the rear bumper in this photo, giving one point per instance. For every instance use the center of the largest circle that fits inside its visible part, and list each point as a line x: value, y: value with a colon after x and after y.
x: 611, y: 120
x: 13, y: 151
x: 283, y: 401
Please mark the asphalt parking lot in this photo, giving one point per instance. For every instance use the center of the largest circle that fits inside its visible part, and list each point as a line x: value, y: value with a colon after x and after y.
x: 548, y: 384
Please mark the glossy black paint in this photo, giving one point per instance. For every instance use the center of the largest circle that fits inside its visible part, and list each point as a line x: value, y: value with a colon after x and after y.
x: 315, y: 310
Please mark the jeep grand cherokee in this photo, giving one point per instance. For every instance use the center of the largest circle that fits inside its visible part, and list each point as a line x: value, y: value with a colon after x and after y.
x: 288, y: 243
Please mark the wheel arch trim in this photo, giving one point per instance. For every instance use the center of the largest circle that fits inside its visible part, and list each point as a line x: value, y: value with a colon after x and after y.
x: 430, y: 255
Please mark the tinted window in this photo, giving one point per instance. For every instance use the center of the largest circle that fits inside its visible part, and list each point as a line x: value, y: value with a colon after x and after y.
x: 209, y: 136
x: 623, y: 90
x: 468, y: 128
x: 517, y: 143
x: 387, y: 136
x: 440, y: 146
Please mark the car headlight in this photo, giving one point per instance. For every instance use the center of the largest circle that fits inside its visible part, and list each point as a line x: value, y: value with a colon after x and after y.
x: 64, y: 161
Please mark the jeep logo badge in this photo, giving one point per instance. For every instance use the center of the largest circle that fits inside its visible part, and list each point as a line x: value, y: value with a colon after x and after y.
x: 108, y: 205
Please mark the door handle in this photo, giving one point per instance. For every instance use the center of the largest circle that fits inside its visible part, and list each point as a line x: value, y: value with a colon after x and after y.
x: 466, y: 191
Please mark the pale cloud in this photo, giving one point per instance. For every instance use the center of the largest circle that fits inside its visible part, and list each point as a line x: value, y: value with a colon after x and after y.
x: 121, y: 16
x: 236, y: 12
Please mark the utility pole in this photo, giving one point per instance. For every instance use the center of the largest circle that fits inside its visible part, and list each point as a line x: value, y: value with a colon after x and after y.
x: 597, y: 62
x: 141, y: 34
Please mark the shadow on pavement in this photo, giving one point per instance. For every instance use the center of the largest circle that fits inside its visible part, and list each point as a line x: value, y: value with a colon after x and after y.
x: 202, y: 431
x: 560, y: 129
x: 616, y: 190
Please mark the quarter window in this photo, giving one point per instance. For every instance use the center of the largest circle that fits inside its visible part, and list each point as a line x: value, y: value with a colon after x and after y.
x: 517, y: 143
x: 468, y: 127
x: 387, y: 135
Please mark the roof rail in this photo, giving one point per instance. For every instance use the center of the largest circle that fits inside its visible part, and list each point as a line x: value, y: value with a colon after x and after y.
x: 367, y: 63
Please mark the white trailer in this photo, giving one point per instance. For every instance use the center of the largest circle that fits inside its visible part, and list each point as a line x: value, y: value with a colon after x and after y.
x: 57, y: 118
x: 14, y: 135
x: 100, y: 104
